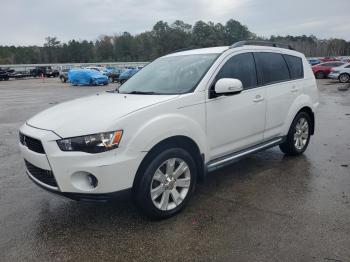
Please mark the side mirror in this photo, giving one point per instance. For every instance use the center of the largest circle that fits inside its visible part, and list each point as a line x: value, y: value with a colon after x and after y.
x: 228, y: 86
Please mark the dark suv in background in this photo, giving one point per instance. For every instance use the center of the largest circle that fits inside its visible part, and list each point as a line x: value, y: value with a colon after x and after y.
x: 45, y: 71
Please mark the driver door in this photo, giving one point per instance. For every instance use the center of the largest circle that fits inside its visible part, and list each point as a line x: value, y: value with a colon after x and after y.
x: 237, y: 121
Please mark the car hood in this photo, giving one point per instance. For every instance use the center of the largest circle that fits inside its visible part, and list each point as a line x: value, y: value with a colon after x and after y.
x: 92, y: 114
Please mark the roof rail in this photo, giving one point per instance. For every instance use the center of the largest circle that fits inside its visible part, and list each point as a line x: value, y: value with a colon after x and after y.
x: 262, y: 43
x: 181, y: 50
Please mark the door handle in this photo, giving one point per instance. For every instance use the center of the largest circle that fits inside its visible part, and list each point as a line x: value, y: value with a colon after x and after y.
x: 258, y: 98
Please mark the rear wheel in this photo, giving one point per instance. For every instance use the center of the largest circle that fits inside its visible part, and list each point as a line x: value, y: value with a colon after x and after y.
x: 166, y: 184
x: 320, y: 75
x: 298, y: 137
x: 344, y: 78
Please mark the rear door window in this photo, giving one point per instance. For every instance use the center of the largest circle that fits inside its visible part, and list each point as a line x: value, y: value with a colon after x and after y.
x: 295, y: 65
x: 272, y: 68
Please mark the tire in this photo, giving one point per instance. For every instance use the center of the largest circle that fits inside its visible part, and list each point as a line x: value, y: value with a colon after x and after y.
x: 344, y: 78
x: 320, y: 75
x: 157, y: 183
x: 63, y: 80
x: 298, y: 137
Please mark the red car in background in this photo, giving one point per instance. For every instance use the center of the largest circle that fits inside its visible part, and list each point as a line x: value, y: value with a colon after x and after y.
x: 322, y: 70
x: 328, y: 59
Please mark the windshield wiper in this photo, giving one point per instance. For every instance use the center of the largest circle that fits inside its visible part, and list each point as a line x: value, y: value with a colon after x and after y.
x: 141, y: 92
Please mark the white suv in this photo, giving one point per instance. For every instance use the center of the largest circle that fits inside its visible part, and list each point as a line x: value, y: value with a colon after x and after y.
x: 181, y: 116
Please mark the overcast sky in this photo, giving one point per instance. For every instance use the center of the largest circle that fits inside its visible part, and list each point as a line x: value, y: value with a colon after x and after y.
x: 25, y: 22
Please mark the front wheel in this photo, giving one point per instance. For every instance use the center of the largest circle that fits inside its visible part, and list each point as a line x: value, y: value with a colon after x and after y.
x: 344, y: 78
x: 166, y: 184
x: 298, y: 137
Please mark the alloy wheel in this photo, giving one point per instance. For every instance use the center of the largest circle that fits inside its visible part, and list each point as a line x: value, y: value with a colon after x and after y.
x: 301, y: 134
x: 344, y: 78
x: 170, y: 184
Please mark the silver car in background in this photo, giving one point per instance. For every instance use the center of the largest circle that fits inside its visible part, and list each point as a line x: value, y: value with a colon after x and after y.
x: 341, y: 73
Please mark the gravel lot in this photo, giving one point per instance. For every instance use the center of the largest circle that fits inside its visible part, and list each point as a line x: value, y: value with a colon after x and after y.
x: 266, y: 207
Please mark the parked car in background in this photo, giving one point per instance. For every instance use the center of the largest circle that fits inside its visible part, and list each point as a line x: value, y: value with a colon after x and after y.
x: 114, y: 73
x: 314, y: 61
x: 5, y: 73
x: 342, y: 73
x: 64, y: 75
x: 86, y: 77
x: 345, y: 59
x: 103, y: 70
x: 124, y: 76
x: 329, y: 59
x: 322, y: 70
x: 45, y: 71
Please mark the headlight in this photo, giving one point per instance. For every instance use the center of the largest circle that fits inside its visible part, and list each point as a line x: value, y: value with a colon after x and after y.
x: 335, y: 72
x: 93, y: 144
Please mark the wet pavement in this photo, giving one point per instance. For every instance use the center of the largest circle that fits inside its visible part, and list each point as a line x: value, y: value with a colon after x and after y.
x: 266, y: 207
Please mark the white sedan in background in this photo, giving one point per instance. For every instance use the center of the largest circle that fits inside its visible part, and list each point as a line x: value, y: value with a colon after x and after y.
x: 342, y: 73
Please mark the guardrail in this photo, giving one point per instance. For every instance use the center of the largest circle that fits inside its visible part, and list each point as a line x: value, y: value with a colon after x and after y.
x: 25, y: 67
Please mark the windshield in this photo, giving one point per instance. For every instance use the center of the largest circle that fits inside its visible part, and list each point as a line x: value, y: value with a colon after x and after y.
x: 170, y: 75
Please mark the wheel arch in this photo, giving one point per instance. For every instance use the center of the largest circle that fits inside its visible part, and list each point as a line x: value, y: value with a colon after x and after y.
x: 309, y: 111
x: 302, y: 103
x: 180, y: 141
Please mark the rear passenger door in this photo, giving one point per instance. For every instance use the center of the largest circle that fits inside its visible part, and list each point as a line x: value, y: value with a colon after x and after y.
x: 282, y: 87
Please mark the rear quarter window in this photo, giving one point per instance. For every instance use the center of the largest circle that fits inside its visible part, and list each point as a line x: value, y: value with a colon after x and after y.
x: 295, y: 65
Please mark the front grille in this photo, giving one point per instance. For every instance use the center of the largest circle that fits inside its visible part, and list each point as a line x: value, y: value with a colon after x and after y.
x: 44, y: 176
x: 32, y: 143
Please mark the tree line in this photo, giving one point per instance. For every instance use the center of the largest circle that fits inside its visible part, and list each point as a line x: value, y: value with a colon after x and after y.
x: 162, y: 39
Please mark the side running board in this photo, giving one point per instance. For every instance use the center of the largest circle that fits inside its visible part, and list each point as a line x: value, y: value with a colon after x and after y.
x: 226, y: 160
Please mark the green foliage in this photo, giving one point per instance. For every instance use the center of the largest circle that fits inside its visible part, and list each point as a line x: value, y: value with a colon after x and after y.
x: 162, y: 39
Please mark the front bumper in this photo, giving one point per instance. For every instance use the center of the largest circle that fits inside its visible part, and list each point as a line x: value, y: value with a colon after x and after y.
x: 86, y: 197
x: 115, y: 170
x: 333, y: 76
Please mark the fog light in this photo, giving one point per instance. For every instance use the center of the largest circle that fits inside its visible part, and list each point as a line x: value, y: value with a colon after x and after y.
x: 92, y: 180
x: 84, y: 181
